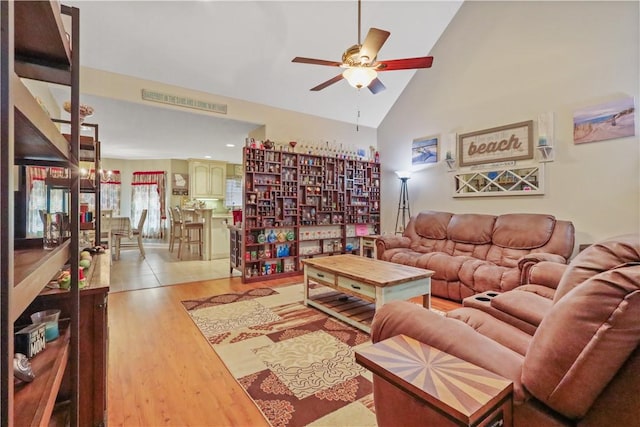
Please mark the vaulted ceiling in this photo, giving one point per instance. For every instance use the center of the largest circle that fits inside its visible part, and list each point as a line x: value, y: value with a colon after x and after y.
x: 243, y: 50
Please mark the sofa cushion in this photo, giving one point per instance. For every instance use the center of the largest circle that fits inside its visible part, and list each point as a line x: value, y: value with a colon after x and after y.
x: 523, y: 231
x: 483, y: 276
x: 542, y: 290
x: 401, y: 256
x: 424, y: 245
x: 445, y: 266
x: 432, y: 224
x: 471, y: 228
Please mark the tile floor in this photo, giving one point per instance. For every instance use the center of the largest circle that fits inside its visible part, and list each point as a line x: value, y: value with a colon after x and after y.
x: 161, y: 267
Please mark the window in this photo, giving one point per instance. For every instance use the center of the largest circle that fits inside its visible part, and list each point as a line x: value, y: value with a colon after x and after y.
x: 148, y: 193
x: 110, y: 187
x: 233, y: 198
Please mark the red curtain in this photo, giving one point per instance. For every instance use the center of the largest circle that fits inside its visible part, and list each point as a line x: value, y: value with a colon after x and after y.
x: 153, y: 177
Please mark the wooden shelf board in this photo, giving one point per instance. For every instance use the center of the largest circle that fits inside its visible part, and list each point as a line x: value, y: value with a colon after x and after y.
x: 33, y: 268
x: 39, y: 33
x: 86, y: 142
x: 36, y: 137
x: 272, y: 276
x: 86, y: 226
x: 99, y: 275
x: 34, y: 401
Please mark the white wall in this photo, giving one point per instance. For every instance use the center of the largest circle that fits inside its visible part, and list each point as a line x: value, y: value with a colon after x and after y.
x: 505, y: 62
x: 41, y: 90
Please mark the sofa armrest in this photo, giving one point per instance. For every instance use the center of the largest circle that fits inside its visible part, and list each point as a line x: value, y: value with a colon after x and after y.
x: 390, y: 242
x: 529, y: 307
x: 544, y: 256
x: 544, y: 273
x: 449, y: 335
x: 528, y: 261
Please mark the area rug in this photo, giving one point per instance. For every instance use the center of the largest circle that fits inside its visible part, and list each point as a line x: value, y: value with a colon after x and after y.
x: 296, y: 363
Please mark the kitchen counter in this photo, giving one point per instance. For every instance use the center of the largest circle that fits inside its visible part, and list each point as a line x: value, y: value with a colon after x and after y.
x: 216, y: 237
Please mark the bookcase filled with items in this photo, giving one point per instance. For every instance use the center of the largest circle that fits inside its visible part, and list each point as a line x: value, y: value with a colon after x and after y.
x: 36, y: 45
x: 299, y: 205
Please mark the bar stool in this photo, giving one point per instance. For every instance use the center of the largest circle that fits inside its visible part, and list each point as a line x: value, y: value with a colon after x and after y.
x: 175, y: 229
x: 186, y: 227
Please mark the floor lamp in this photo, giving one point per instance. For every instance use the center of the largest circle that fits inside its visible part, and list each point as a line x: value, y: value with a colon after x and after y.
x: 403, y: 203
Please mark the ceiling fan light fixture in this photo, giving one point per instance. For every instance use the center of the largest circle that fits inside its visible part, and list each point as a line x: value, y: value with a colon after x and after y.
x: 359, y: 77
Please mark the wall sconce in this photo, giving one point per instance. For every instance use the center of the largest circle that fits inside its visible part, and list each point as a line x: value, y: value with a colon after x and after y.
x: 451, y: 161
x: 403, y: 203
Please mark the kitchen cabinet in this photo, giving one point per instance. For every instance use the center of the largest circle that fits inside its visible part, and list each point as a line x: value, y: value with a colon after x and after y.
x: 207, y: 179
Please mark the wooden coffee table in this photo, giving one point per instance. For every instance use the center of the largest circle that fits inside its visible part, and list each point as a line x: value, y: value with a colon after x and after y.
x: 362, y: 285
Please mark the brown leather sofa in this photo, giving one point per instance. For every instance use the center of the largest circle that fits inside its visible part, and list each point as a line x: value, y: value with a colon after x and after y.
x: 580, y: 367
x: 474, y: 253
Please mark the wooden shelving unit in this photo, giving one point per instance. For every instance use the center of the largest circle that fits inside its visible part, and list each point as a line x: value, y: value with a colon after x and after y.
x: 29, y: 137
x: 302, y: 205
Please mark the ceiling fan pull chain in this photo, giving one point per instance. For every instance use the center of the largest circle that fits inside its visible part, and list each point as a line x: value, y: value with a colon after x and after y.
x: 358, y: 114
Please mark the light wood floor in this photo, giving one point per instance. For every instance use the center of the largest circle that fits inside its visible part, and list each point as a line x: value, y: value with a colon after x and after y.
x: 162, y: 372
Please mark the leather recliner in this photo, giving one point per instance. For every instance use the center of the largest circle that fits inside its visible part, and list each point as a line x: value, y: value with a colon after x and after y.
x: 580, y: 367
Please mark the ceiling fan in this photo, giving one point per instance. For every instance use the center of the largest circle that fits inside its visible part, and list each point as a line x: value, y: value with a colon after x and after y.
x: 361, y: 64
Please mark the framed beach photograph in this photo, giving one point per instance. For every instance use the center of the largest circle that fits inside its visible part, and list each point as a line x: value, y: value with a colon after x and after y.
x: 425, y: 150
x: 605, y: 121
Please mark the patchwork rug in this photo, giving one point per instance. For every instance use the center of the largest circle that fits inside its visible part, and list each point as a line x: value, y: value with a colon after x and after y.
x: 295, y: 362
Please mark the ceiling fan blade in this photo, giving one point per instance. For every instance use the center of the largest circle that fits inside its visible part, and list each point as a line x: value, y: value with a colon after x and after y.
x: 376, y: 86
x: 316, y: 61
x: 405, y: 64
x: 372, y: 43
x: 327, y: 83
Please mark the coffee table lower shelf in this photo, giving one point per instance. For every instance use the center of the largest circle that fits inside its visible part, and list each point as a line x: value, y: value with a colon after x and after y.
x: 352, y: 310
